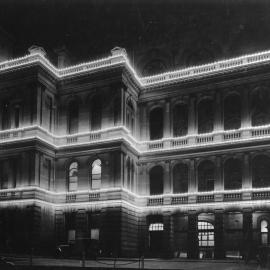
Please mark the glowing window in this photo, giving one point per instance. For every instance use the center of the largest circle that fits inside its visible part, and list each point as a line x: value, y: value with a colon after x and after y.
x: 96, y: 174
x: 153, y: 227
x: 73, y: 176
x: 205, y: 234
x: 264, y: 232
x: 71, y: 236
x: 94, y: 234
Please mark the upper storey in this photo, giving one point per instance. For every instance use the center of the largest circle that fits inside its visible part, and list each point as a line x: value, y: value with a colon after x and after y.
x: 119, y: 58
x: 105, y: 99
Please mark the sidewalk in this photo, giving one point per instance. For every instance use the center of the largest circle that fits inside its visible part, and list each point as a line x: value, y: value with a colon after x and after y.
x: 49, y: 263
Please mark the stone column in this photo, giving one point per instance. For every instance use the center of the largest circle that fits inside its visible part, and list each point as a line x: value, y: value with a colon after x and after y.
x: 143, y: 236
x: 125, y: 174
x: 144, y: 121
x: 192, y: 183
x: 167, y: 120
x: 219, y: 236
x: 247, y: 177
x: 218, y: 125
x: 123, y: 106
x: 81, y: 230
x: 192, y: 127
x: 39, y: 105
x: 218, y: 112
x: 167, y: 178
x: 167, y: 235
x: 36, y: 180
x: 247, y: 232
x: 193, y: 243
x: 44, y: 116
x: 219, y: 186
x: 143, y: 181
x: 245, y: 112
x: 107, y: 109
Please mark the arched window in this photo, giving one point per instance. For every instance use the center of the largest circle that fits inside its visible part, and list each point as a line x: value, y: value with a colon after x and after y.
x: 206, y: 176
x: 261, y: 171
x: 264, y: 232
x: 154, y: 227
x: 233, y: 174
x: 156, y: 180
x: 260, y: 111
x: 73, y: 176
x: 4, y: 174
x: 232, y: 112
x: 205, y: 116
x: 96, y: 111
x: 180, y: 120
x: 156, y: 124
x: 73, y: 117
x: 96, y: 174
x: 180, y: 178
x: 5, y: 115
x: 206, y: 234
x: 130, y: 116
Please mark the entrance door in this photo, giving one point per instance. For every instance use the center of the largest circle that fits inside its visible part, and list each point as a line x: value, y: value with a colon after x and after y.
x: 155, y: 238
x: 206, y: 239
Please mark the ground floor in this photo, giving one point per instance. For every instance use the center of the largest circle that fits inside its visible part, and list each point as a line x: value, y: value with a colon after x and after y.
x: 133, y: 263
x: 116, y: 231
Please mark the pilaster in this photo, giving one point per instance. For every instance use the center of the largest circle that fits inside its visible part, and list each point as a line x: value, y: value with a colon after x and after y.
x: 167, y: 120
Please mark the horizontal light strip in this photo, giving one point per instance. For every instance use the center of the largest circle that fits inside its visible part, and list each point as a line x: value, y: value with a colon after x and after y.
x: 121, y: 58
x: 117, y: 203
x: 121, y: 189
x: 129, y: 139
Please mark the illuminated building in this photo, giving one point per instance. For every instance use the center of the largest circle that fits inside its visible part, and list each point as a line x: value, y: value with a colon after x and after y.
x: 175, y: 164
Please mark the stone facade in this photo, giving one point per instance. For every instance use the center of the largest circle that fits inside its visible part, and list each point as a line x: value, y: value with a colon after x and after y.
x: 97, y: 159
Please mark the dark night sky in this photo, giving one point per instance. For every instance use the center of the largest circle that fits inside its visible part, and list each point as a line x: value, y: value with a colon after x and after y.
x: 91, y: 28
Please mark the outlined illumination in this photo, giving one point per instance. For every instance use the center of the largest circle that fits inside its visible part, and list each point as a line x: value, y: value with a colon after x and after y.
x: 141, y: 147
x: 122, y: 59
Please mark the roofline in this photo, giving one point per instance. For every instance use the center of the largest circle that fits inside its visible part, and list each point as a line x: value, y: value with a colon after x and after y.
x: 185, y: 74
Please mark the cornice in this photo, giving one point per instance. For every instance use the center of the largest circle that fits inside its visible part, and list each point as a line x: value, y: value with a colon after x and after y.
x: 241, y: 63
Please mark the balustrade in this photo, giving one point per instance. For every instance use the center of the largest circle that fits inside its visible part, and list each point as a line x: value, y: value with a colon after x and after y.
x: 179, y: 200
x: 119, y: 194
x: 263, y: 195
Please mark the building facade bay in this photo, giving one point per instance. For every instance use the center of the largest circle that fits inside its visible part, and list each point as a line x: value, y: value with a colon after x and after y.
x: 172, y: 165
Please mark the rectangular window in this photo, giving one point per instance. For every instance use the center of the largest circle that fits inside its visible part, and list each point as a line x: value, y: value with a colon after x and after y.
x: 71, y: 236
x: 94, y: 234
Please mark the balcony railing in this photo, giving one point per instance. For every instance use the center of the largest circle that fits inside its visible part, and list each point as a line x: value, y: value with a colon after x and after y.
x: 207, y: 69
x: 121, y: 133
x: 110, y: 196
